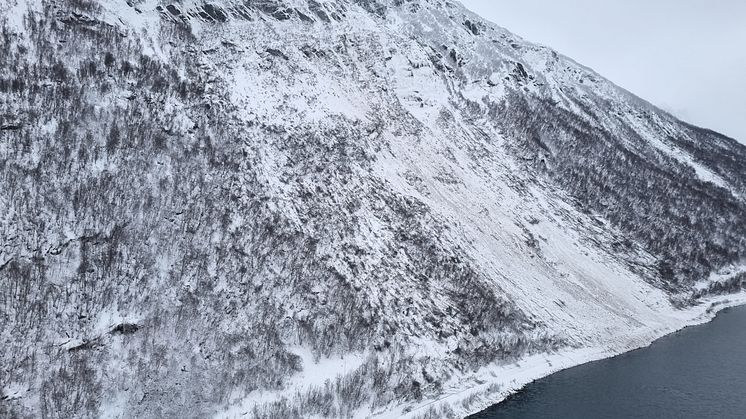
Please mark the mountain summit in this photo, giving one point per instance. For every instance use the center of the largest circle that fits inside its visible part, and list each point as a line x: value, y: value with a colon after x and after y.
x: 350, y: 208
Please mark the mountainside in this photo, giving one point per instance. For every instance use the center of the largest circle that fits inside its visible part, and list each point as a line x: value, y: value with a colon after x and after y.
x: 291, y: 208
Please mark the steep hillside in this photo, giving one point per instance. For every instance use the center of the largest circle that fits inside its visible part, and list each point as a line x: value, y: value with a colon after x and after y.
x: 291, y: 208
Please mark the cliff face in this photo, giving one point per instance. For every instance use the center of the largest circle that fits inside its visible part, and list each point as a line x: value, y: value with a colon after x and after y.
x: 327, y: 208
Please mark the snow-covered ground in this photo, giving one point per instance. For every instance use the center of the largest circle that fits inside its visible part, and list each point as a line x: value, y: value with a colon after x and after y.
x: 494, y: 383
x: 367, y: 208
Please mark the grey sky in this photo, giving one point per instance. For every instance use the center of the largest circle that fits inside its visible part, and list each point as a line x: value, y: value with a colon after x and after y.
x: 686, y: 56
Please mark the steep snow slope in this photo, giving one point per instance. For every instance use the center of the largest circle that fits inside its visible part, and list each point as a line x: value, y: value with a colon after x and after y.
x: 332, y: 209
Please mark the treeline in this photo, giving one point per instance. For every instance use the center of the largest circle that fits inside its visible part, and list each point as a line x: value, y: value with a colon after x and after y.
x: 151, y: 257
x: 691, y: 226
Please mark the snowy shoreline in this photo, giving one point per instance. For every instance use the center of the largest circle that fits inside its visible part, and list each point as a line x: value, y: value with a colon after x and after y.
x: 514, y: 377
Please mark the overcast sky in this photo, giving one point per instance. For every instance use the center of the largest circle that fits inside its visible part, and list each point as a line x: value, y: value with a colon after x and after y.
x: 685, y: 56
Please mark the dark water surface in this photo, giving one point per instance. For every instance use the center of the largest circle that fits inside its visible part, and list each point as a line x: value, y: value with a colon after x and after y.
x: 699, y: 372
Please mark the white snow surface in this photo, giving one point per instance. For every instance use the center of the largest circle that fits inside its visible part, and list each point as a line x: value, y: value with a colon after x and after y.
x: 573, y: 286
x: 568, y: 282
x: 511, y: 378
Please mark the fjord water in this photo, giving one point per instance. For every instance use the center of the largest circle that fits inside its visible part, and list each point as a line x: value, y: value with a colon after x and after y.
x: 698, y: 372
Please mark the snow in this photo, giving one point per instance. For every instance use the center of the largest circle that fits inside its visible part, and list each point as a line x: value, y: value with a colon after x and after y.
x: 521, y: 236
x: 598, y: 292
x: 513, y: 377
x: 311, y: 95
x: 415, y: 88
x: 721, y: 276
x: 147, y: 22
x: 14, y: 391
x: 14, y: 12
x: 681, y: 156
x: 315, y: 373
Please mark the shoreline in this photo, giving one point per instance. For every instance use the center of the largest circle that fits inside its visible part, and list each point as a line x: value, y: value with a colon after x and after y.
x: 514, y: 377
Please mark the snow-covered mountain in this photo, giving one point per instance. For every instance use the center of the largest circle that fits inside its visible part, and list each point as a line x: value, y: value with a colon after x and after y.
x: 368, y: 208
